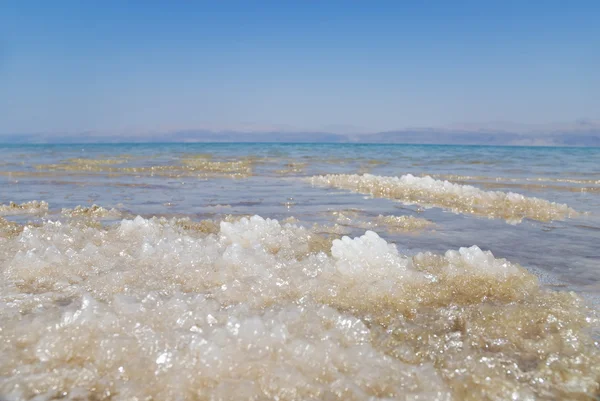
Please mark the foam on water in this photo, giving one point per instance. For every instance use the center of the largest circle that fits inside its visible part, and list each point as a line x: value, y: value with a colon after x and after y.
x: 427, y: 191
x: 255, y: 309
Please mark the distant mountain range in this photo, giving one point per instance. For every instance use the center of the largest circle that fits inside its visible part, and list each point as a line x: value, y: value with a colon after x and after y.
x: 586, y: 136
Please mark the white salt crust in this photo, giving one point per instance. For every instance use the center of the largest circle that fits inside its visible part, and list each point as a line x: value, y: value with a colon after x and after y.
x: 428, y: 192
x: 149, y: 310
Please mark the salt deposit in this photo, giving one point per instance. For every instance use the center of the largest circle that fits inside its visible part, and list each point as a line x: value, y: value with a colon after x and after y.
x: 33, y: 207
x: 456, y: 177
x: 9, y: 228
x: 389, y: 223
x: 255, y: 309
x: 426, y: 191
x: 239, y: 168
x: 198, y: 165
x: 93, y: 211
x: 97, y: 162
x: 402, y: 223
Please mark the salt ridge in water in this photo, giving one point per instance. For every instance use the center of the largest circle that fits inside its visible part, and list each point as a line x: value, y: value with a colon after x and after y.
x: 194, y: 166
x: 93, y: 211
x: 33, y: 207
x: 390, y: 223
x: 148, y: 309
x: 427, y: 191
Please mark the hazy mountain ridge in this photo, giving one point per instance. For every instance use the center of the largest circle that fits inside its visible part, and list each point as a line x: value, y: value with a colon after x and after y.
x: 580, y: 137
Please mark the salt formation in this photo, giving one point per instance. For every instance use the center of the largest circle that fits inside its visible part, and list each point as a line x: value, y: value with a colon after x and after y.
x: 426, y: 191
x: 190, y: 166
x: 93, y: 211
x: 9, y: 228
x: 390, y: 223
x: 156, y: 309
x: 85, y: 162
x: 33, y: 207
x: 528, y: 184
x: 402, y: 223
x: 238, y: 168
x: 455, y: 177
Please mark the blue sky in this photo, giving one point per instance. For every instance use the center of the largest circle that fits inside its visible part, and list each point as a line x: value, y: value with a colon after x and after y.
x: 334, y: 66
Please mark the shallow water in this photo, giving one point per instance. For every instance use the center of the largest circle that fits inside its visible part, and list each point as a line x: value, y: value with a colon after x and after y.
x: 205, y: 303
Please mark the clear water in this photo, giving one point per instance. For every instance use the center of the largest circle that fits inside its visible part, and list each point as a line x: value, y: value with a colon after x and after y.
x: 226, y: 181
x: 568, y: 249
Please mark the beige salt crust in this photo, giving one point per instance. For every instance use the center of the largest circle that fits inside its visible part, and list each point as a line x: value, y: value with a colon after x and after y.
x: 169, y: 309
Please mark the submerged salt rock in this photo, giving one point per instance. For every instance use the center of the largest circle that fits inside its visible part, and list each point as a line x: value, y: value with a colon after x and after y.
x: 149, y: 308
x: 359, y: 219
x: 85, y: 162
x: 426, y: 191
x: 402, y: 223
x: 190, y: 166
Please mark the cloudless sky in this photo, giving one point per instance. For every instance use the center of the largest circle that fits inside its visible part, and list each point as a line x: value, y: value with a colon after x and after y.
x: 342, y: 66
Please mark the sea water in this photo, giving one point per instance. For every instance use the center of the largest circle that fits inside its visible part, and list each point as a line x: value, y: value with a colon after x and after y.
x: 299, y: 271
